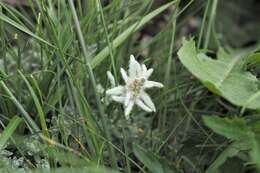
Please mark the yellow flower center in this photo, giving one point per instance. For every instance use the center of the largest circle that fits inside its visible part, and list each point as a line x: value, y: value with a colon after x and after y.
x: 136, y: 85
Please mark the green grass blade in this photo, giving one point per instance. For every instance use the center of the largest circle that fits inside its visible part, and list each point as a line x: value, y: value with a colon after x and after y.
x: 38, y: 106
x: 23, y: 29
x: 9, y: 130
x: 123, y: 36
x: 210, y: 23
x: 32, y: 125
x: 94, y: 85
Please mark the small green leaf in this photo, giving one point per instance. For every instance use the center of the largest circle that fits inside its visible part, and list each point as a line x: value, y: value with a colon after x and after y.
x: 234, y: 129
x: 148, y: 159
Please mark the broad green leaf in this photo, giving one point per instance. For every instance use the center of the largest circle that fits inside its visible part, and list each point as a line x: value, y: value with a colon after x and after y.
x: 255, y: 153
x: 225, y: 76
x: 234, y: 129
x: 253, y: 59
x: 253, y: 121
x: 148, y: 159
x: 9, y: 130
x: 124, y: 35
x: 232, y: 150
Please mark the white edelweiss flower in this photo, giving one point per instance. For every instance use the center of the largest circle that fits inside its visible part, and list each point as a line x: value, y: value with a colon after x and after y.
x: 133, y: 92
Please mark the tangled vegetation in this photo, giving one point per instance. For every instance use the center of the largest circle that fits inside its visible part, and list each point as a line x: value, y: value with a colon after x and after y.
x: 62, y: 67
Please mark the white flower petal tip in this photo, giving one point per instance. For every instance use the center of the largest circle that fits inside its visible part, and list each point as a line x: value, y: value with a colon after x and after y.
x: 159, y: 85
x: 151, y: 84
x: 127, y: 98
x: 127, y: 117
x: 111, y: 78
x: 141, y: 104
x: 133, y: 61
x: 119, y: 99
x: 119, y: 90
x: 144, y: 68
x: 133, y: 92
x: 123, y: 74
x: 128, y: 109
x: 132, y: 58
x: 148, y: 101
x: 148, y: 73
x: 135, y: 69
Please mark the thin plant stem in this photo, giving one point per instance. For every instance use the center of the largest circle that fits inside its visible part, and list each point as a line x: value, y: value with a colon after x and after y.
x: 93, y: 82
x: 169, y: 65
x: 203, y: 24
x: 210, y: 23
x: 100, y: 10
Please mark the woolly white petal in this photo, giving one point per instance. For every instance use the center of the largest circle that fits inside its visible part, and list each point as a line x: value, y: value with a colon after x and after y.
x: 148, y: 73
x: 144, y: 68
x: 148, y: 101
x: 119, y: 90
x: 119, y: 99
x: 124, y: 75
x: 141, y: 104
x: 150, y: 84
x: 111, y: 79
x: 128, y: 109
x: 127, y: 117
x: 134, y: 68
x: 127, y: 98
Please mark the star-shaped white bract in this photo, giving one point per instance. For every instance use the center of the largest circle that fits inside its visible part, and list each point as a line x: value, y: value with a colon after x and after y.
x: 133, y: 92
